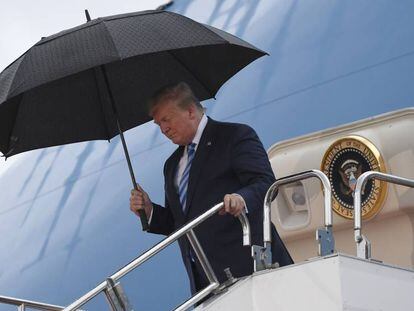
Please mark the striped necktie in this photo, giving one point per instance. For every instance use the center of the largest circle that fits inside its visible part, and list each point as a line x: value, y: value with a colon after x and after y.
x: 182, y: 188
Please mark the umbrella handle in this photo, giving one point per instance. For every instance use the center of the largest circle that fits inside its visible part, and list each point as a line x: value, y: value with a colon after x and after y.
x: 141, y: 212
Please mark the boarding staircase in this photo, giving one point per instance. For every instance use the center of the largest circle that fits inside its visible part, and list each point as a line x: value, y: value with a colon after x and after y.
x: 330, y: 281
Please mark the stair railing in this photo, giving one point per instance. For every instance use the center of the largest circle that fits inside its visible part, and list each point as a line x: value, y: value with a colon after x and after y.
x: 114, y: 292
x: 363, y: 245
x: 22, y: 304
x: 326, y: 243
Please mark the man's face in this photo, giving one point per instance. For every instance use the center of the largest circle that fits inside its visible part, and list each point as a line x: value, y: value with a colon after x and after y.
x: 178, y: 124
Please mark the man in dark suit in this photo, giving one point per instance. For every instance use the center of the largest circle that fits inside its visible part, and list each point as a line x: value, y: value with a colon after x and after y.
x: 215, y: 162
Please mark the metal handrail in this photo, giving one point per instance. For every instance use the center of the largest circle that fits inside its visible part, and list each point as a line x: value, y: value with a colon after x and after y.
x: 267, y: 237
x: 186, y: 229
x: 326, y: 243
x: 363, y: 244
x: 22, y: 304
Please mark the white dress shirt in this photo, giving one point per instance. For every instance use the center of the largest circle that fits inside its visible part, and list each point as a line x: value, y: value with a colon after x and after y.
x: 184, y: 158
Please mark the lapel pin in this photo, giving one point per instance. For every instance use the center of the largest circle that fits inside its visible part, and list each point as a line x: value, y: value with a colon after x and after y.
x: 209, y: 143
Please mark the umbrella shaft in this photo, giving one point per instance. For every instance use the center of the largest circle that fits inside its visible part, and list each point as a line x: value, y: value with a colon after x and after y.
x: 118, y: 124
x: 142, y: 215
x: 128, y: 159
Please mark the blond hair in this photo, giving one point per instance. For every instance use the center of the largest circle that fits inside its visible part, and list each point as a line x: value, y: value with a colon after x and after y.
x: 179, y: 93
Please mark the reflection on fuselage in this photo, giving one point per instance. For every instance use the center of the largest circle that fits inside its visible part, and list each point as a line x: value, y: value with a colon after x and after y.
x: 65, y: 222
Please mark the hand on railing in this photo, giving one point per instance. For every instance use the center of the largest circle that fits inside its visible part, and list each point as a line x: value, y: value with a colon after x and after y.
x: 233, y: 204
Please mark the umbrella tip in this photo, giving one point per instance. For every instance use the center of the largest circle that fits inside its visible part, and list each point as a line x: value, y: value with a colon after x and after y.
x: 165, y: 6
x: 88, y: 17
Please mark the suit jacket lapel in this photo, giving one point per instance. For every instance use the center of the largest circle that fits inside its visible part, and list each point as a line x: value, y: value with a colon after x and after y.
x: 171, y: 170
x: 199, y: 161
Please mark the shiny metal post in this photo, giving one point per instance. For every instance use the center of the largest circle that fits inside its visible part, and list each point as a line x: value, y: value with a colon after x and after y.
x: 362, y: 243
x: 247, y: 239
x: 116, y: 297
x: 195, y: 244
x: 160, y: 246
x: 22, y: 304
x: 326, y: 241
x: 267, y: 237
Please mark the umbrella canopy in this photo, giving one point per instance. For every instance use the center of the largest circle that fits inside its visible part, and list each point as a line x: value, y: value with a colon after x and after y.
x: 73, y: 86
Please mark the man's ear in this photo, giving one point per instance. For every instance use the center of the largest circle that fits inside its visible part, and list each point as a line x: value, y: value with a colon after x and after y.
x: 192, y: 111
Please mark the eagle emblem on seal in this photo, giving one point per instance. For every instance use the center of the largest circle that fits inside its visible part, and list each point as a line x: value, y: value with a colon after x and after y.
x: 344, y: 161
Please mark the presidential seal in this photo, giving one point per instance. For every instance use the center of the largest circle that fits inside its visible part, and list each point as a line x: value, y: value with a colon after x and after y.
x: 344, y: 161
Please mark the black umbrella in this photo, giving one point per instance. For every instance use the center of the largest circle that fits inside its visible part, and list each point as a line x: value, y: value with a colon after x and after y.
x: 92, y: 81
